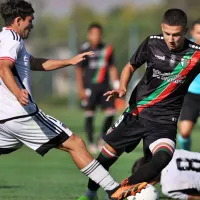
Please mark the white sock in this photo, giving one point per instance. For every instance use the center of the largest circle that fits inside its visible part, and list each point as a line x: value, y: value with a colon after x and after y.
x: 99, y: 175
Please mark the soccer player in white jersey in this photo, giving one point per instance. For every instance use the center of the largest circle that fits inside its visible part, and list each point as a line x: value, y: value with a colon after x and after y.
x: 21, y: 121
x: 180, y: 179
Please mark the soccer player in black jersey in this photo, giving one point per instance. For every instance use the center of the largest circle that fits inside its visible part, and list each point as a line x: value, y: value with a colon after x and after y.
x: 155, y: 103
x: 93, y: 78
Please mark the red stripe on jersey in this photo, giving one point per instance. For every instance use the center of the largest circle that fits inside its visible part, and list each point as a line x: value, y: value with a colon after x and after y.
x: 102, y: 71
x: 171, y: 86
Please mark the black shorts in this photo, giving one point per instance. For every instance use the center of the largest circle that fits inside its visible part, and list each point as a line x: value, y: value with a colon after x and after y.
x: 191, y: 107
x: 96, y: 98
x: 128, y: 130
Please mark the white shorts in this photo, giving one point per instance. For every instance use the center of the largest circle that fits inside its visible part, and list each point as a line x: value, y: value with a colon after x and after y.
x: 39, y: 132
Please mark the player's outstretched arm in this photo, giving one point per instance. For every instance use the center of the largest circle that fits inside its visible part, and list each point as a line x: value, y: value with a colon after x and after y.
x: 41, y: 64
x: 9, y: 80
x: 126, y: 75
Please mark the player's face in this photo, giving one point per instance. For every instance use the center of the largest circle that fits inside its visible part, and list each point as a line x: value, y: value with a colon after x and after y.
x: 95, y: 36
x: 25, y: 26
x: 174, y: 36
x: 195, y: 33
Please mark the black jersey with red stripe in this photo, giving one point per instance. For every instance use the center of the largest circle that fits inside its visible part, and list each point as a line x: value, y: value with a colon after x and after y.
x: 96, y: 67
x: 159, y: 94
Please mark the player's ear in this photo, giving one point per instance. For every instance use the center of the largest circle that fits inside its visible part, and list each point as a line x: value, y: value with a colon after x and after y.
x: 162, y: 27
x: 18, y: 20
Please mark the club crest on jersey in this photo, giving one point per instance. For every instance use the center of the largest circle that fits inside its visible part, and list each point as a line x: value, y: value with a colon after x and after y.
x: 185, y: 62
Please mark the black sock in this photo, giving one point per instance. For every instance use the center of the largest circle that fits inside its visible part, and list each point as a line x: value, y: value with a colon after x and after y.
x: 107, y: 124
x: 106, y: 162
x: 89, y: 128
x: 152, y: 169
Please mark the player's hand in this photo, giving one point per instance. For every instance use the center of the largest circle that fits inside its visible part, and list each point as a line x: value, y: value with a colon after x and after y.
x: 80, y: 57
x: 23, y: 97
x: 115, y: 94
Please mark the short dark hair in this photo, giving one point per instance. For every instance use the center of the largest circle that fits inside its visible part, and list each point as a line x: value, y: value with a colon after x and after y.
x: 175, y: 17
x: 142, y: 161
x: 11, y: 9
x: 195, y: 23
x: 95, y: 25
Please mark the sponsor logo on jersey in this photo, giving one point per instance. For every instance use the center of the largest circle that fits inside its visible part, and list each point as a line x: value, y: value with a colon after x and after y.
x: 160, y: 57
x: 185, y: 62
x: 168, y: 76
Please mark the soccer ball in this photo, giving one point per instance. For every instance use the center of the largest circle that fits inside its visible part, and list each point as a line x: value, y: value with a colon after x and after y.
x: 149, y: 193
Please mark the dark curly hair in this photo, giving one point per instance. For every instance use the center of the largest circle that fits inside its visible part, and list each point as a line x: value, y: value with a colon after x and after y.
x: 11, y: 9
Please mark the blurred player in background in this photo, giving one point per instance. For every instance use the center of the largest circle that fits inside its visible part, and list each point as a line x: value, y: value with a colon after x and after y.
x: 94, y: 76
x: 21, y: 121
x: 191, y: 106
x: 180, y: 179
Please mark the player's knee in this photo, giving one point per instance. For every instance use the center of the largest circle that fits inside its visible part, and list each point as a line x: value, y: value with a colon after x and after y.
x: 89, y: 113
x: 185, y: 128
x: 74, y: 143
x: 185, y: 134
x: 78, y: 142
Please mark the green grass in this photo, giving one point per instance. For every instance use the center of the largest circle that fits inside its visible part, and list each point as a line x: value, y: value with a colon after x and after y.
x: 24, y: 175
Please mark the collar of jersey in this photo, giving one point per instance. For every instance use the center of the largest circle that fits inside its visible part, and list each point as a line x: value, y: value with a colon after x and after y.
x: 8, y: 28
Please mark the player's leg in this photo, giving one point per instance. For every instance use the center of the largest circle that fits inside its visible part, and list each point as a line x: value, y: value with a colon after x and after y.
x: 8, y: 143
x: 119, y: 138
x: 89, y: 129
x: 184, y: 136
x: 159, y: 146
x: 109, y: 114
x: 42, y: 133
x: 89, y: 119
x: 189, y: 114
x: 149, y: 171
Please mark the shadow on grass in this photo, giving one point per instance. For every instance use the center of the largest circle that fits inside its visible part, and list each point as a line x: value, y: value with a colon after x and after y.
x: 9, y: 186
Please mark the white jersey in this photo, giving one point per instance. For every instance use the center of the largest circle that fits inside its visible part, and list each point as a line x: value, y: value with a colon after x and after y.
x: 183, y: 172
x: 12, y: 48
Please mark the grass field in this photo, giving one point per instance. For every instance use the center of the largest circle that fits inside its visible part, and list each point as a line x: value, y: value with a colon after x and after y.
x: 24, y: 175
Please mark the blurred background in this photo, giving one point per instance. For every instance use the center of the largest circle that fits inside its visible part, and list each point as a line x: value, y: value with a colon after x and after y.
x: 60, y: 27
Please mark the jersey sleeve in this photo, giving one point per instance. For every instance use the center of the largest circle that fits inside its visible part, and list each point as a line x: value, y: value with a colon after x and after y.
x: 10, y: 50
x: 141, y: 54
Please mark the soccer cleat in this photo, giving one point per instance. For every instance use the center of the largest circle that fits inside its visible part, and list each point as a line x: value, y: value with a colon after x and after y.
x: 125, y: 191
x: 86, y: 198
